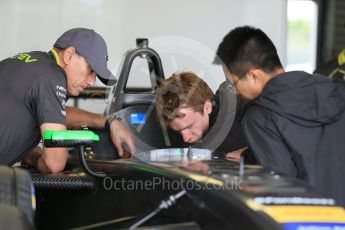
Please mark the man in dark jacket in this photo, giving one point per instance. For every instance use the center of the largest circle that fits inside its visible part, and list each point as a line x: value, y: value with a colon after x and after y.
x: 295, y: 122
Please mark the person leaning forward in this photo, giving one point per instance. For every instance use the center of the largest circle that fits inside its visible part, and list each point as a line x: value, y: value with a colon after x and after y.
x: 34, y: 90
x: 295, y: 121
x: 189, y: 107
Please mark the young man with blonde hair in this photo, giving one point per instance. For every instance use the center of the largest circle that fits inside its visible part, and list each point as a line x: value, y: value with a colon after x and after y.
x: 189, y: 107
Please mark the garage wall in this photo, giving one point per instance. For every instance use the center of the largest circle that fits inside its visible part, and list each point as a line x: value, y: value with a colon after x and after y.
x: 335, y: 27
x: 185, y: 33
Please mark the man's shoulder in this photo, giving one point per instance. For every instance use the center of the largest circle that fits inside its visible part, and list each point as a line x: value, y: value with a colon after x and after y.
x: 254, y: 109
x: 35, y: 65
x: 46, y: 76
x: 47, y: 63
x: 258, y: 114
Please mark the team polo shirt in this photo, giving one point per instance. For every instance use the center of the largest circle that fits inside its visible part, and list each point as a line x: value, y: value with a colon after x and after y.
x: 32, y: 92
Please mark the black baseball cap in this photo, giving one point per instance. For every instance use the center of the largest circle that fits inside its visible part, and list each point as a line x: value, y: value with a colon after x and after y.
x: 92, y: 47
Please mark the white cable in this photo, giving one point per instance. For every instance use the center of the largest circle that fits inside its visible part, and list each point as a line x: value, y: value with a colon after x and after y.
x: 163, y: 205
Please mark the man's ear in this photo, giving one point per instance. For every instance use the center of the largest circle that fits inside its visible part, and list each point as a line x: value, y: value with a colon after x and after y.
x: 257, y: 75
x: 208, y: 107
x: 68, y: 54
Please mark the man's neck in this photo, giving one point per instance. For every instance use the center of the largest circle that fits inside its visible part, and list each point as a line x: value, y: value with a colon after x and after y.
x: 272, y: 75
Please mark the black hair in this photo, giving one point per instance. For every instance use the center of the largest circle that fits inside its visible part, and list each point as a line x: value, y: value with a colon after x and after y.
x: 247, y: 47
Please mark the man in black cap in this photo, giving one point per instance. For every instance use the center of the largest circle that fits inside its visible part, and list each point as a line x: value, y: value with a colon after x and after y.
x: 33, y: 92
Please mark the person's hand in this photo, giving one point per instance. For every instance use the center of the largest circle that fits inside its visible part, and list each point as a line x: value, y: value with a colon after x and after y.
x: 123, y: 139
x: 235, y: 156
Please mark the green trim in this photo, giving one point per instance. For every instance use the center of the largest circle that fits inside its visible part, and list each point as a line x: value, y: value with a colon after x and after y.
x: 56, y: 56
x: 341, y: 57
x: 337, y: 70
x: 70, y: 135
x: 26, y: 58
x: 334, y: 72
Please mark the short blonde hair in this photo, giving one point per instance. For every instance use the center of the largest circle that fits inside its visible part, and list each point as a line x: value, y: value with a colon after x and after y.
x: 184, y: 88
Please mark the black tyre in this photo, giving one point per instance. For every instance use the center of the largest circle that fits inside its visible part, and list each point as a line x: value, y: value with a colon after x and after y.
x: 16, y: 189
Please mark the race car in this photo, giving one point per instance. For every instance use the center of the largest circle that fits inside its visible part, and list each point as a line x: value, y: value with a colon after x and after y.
x: 169, y: 185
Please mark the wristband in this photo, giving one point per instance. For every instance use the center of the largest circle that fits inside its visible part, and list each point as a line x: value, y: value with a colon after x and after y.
x: 110, y: 119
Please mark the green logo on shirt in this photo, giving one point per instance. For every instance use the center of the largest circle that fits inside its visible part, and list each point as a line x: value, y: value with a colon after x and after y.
x: 26, y: 57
